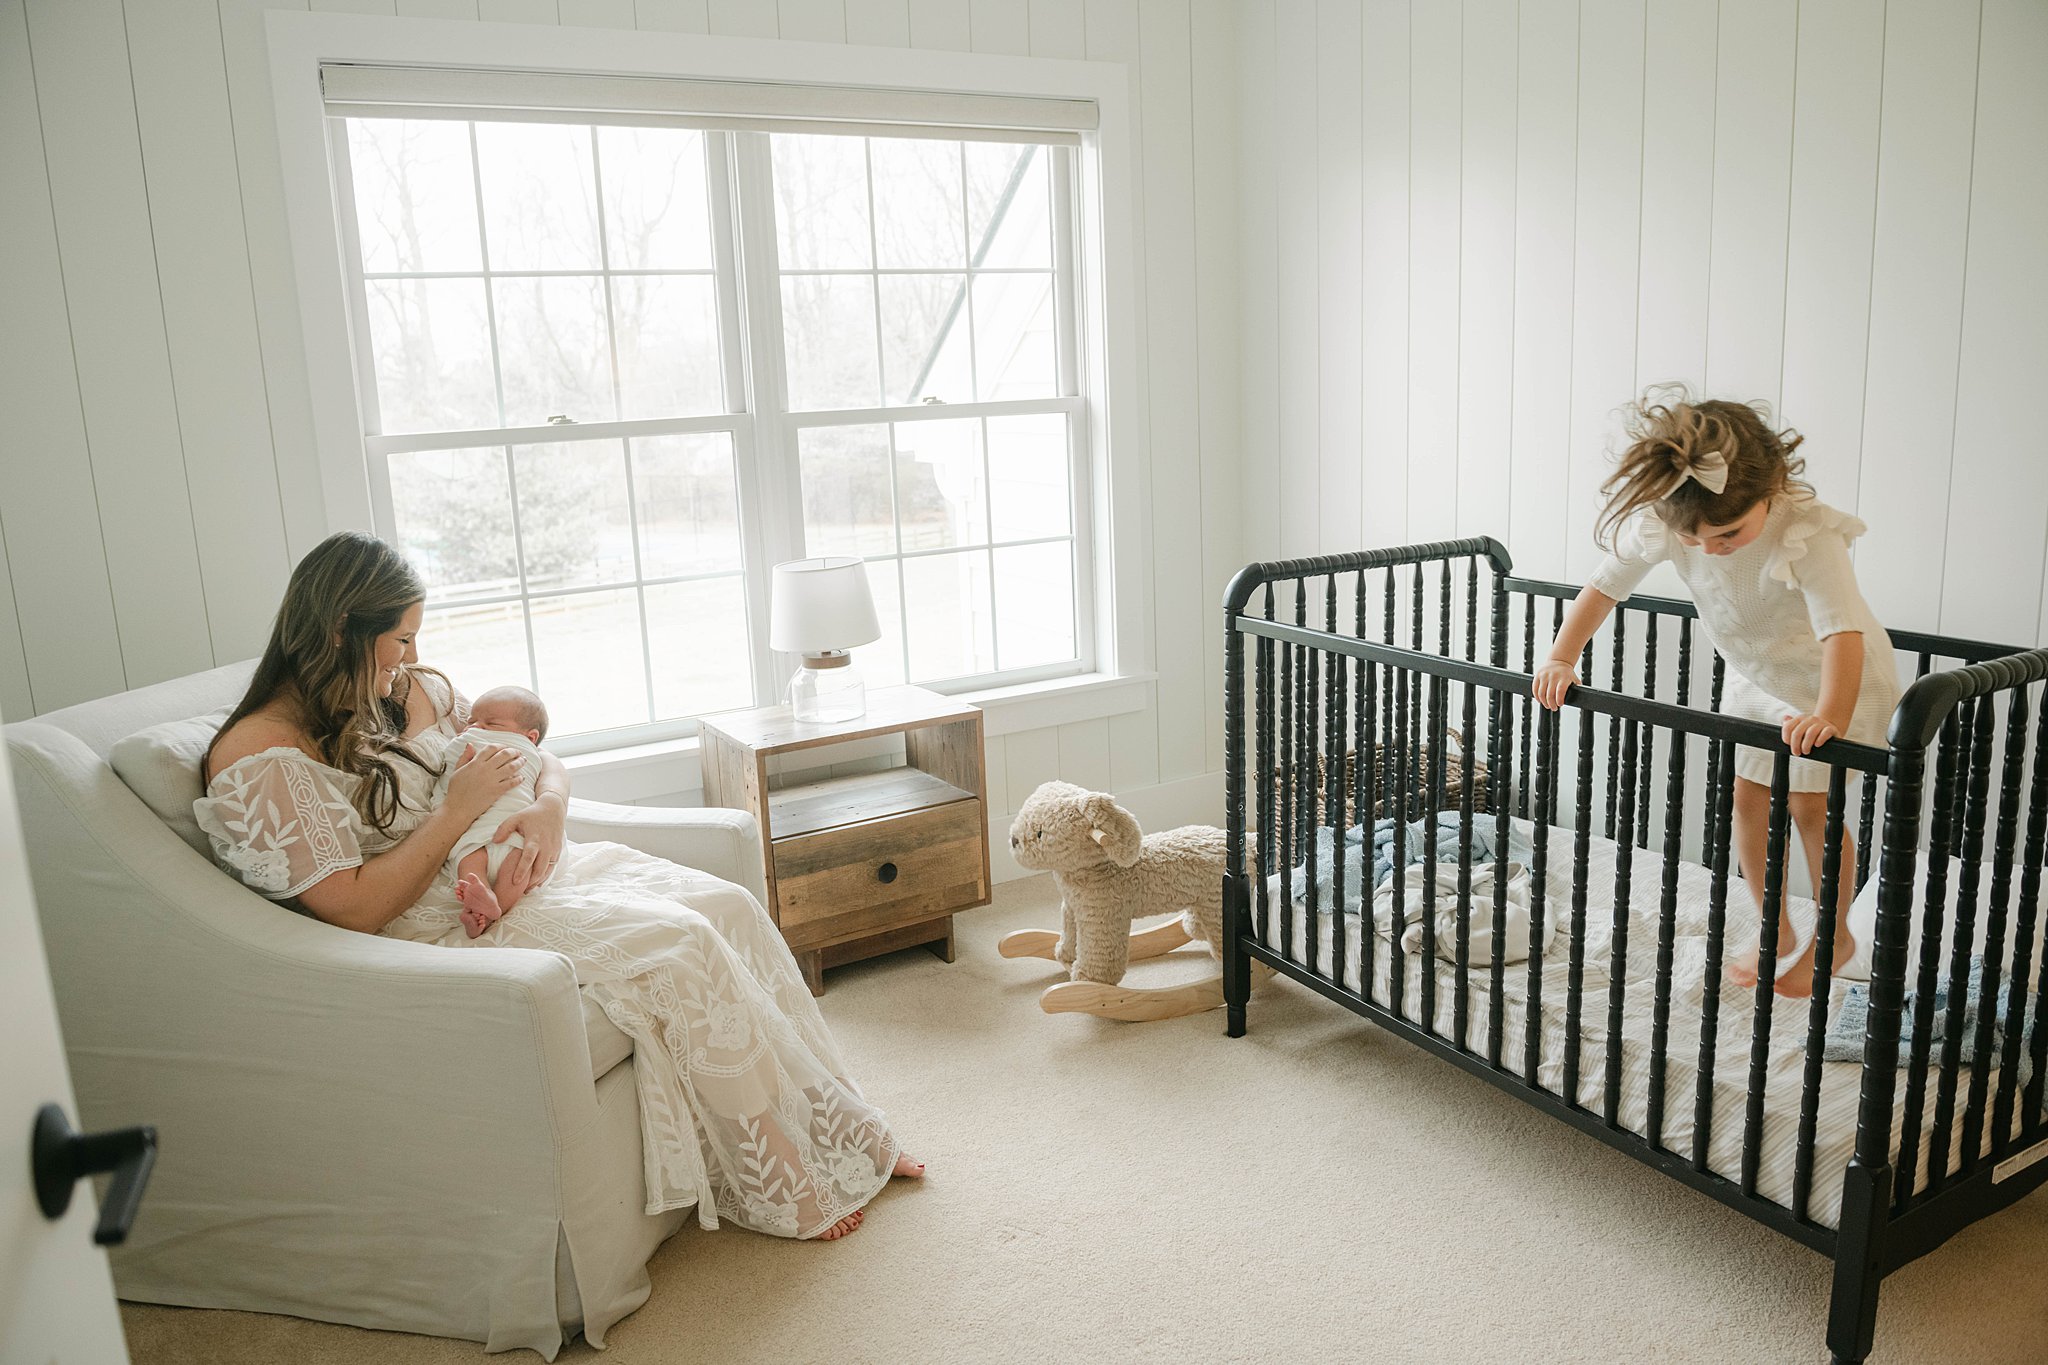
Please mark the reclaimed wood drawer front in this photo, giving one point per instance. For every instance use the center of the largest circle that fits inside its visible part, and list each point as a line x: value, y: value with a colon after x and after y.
x: 880, y: 872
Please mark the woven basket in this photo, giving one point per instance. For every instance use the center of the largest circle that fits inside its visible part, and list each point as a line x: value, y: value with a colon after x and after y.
x: 1418, y: 787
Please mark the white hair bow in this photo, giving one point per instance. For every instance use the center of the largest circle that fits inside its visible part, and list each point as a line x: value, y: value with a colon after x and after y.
x: 1710, y: 470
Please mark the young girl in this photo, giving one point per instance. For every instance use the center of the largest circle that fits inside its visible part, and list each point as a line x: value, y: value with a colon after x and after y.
x: 1710, y: 488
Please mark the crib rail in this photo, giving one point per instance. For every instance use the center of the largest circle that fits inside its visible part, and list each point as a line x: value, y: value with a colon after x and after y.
x: 1359, y: 667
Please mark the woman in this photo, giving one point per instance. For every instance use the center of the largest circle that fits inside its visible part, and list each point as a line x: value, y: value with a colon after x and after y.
x: 317, y: 793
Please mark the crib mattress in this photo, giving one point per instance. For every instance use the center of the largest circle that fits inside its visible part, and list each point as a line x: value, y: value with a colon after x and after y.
x: 1835, y: 1128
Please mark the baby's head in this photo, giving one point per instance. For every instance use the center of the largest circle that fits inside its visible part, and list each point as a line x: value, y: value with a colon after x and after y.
x: 1708, y: 469
x: 513, y: 710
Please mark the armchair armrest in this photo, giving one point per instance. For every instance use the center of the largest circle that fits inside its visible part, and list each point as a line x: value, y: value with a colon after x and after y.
x: 724, y: 843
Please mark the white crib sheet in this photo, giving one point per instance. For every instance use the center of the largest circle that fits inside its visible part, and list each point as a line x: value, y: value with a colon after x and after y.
x: 1835, y: 1128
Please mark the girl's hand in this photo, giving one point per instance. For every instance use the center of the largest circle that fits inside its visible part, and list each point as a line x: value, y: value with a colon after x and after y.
x: 1804, y: 734
x: 543, y: 826
x: 1553, y: 679
x: 481, y: 777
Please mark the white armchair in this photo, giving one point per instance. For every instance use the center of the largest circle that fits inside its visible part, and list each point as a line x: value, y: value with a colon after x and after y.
x: 352, y: 1128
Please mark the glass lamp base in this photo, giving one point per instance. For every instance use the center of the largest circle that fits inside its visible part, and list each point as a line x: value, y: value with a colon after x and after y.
x: 835, y: 692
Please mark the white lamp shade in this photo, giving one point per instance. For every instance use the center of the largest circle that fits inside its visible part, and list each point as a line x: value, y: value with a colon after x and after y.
x: 817, y: 605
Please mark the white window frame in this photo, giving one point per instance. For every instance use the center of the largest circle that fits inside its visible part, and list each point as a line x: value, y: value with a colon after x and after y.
x: 1113, y: 521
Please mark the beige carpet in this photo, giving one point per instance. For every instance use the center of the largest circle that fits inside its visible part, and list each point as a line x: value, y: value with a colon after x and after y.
x: 1156, y: 1192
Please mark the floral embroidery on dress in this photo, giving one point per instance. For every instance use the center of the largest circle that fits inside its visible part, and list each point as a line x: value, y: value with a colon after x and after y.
x: 279, y: 822
x: 728, y: 1025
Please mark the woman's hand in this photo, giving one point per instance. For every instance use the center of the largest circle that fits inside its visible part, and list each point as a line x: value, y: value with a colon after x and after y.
x: 543, y: 826
x: 1804, y: 734
x: 480, y: 778
x: 1553, y: 679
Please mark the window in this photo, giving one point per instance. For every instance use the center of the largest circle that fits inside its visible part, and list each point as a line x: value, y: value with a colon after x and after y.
x: 611, y: 368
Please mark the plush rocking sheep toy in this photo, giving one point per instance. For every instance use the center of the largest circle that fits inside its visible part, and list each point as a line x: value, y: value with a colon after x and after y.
x: 1110, y: 873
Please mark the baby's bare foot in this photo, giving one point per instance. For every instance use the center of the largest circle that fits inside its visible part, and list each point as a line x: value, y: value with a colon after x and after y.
x: 480, y: 908
x: 908, y: 1167
x: 842, y: 1227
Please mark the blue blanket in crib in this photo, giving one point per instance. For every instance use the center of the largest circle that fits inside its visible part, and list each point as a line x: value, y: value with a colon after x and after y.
x: 1448, y: 834
x: 1845, y: 1031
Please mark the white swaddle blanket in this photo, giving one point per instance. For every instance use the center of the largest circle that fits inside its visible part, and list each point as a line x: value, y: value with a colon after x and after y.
x: 485, y: 826
x: 1479, y: 930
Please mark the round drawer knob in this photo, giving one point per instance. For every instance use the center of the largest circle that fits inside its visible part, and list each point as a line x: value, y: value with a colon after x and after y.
x: 886, y: 873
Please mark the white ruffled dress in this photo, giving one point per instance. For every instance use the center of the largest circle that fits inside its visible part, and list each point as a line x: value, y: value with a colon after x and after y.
x: 746, y: 1107
x: 1766, y: 608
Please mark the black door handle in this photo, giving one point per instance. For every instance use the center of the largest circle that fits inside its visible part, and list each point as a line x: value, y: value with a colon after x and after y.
x: 62, y: 1157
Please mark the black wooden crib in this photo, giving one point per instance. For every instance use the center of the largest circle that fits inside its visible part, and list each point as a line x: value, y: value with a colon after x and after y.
x: 1349, y: 682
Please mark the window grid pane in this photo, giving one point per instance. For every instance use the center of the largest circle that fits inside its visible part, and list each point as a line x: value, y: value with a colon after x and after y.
x: 574, y: 268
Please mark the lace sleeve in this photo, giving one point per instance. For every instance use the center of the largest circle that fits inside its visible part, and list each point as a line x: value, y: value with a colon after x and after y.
x: 280, y: 822
x: 451, y: 708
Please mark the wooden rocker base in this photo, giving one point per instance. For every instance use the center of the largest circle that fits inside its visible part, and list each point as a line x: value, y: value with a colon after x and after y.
x: 1131, y: 1003
x: 1160, y: 938
x: 1135, y: 1004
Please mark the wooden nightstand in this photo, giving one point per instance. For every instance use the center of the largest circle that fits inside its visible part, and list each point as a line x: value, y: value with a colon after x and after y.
x: 868, y: 863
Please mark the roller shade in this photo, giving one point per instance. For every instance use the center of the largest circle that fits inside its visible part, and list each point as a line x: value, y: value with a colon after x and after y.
x: 364, y: 91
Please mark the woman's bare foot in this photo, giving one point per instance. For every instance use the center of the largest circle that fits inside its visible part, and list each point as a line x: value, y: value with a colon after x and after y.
x: 908, y: 1167
x: 842, y: 1227
x: 480, y: 909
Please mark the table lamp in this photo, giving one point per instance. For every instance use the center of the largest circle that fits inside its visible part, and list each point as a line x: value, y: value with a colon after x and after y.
x: 821, y: 609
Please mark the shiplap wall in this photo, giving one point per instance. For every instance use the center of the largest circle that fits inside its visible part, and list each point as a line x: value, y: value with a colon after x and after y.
x: 158, y: 465
x: 1471, y: 230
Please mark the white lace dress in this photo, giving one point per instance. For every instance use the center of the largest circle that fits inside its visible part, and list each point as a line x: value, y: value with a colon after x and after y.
x: 746, y: 1108
x: 1767, y: 607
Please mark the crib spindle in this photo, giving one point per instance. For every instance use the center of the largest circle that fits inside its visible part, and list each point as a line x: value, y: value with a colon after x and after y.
x: 2023, y: 938
x: 1618, y: 684
x: 1934, y: 919
x: 1271, y: 858
x: 1288, y: 852
x: 1464, y: 944
x: 1975, y: 797
x: 1617, y: 948
x: 1539, y: 871
x: 1649, y: 732
x: 1434, y: 800
x: 1575, y: 965
x: 1503, y: 726
x: 1368, y: 784
x: 1667, y: 925
x: 1400, y: 781
x: 1767, y: 968
x: 1994, y: 928
x: 1866, y: 830
x: 1336, y: 770
x: 1526, y: 702
x: 1825, y: 930
x: 1719, y: 835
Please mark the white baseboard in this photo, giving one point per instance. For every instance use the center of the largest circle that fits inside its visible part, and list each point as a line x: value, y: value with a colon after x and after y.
x: 1194, y: 800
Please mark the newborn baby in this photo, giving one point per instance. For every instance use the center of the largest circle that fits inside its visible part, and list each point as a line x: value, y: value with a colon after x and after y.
x: 515, y: 719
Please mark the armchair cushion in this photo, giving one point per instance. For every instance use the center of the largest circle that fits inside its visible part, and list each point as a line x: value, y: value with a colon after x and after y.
x: 162, y: 765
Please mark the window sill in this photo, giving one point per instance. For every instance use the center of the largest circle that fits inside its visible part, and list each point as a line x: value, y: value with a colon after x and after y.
x: 667, y: 769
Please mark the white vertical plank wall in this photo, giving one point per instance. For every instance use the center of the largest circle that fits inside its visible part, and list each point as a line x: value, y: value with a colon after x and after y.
x: 1383, y: 213
x: 1833, y: 205
x: 164, y: 480
x: 1546, y: 223
x: 1828, y: 242
x: 1340, y: 264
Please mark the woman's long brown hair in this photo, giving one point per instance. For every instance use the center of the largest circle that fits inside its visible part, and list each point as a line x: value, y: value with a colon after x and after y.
x: 1668, y: 430
x: 356, y: 587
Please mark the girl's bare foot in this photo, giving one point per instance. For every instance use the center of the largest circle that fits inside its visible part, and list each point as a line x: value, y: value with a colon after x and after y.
x: 479, y: 904
x: 1795, y: 978
x: 842, y: 1227
x: 908, y: 1167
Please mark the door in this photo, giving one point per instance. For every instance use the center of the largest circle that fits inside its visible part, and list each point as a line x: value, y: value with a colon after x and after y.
x: 56, y: 1291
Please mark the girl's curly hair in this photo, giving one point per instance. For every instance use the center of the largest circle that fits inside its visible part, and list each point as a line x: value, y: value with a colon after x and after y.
x: 1673, y: 436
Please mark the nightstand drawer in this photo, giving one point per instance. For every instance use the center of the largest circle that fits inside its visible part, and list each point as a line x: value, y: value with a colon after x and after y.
x: 880, y: 872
